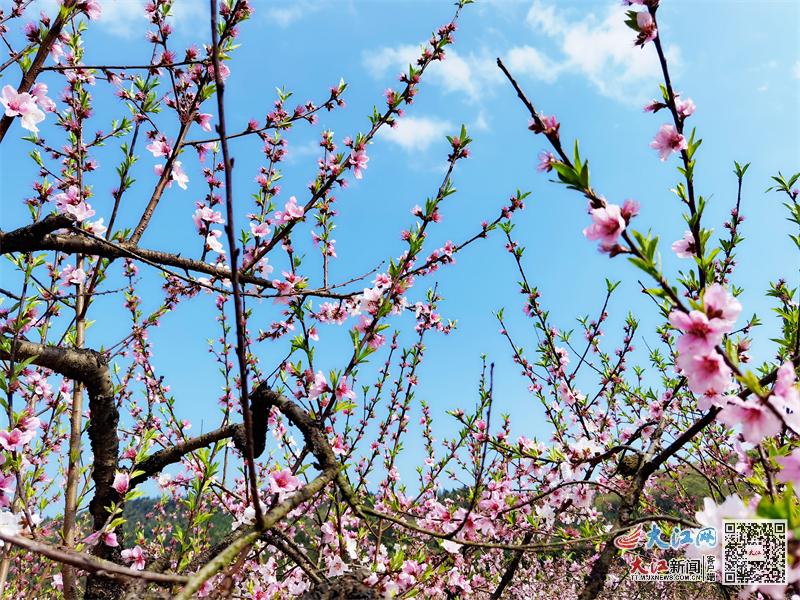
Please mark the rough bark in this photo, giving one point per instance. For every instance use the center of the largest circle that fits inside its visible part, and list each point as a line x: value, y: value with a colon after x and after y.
x: 347, y: 587
x: 36, y: 237
x: 90, y: 368
x: 29, y: 78
x: 156, y: 462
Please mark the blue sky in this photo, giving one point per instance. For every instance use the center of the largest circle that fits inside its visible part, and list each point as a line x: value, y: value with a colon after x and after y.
x: 739, y: 61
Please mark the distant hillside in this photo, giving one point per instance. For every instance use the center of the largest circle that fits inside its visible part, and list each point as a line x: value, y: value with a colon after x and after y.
x: 141, y: 511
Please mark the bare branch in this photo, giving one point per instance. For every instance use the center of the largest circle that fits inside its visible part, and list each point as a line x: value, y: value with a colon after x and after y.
x: 93, y: 564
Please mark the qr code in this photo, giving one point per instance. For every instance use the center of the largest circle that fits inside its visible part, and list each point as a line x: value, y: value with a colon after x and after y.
x: 754, y: 552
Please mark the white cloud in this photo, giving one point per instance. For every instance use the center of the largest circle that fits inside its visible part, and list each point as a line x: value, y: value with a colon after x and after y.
x: 545, y: 18
x: 526, y: 60
x: 288, y: 13
x: 416, y: 134
x: 481, y: 123
x: 300, y: 151
x: 600, y: 49
x: 464, y: 75
x: 118, y: 17
x: 797, y: 70
x: 378, y: 63
x: 126, y: 18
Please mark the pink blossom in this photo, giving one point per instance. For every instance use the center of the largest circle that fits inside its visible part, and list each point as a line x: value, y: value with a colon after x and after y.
x: 203, y: 149
x: 110, y: 539
x: 91, y: 8
x: 96, y: 227
x: 684, y: 247
x: 653, y: 106
x: 283, y: 481
x: 786, y: 383
x: 81, y: 211
x: 134, y: 555
x: 286, y: 289
x: 40, y: 387
x: 546, y: 162
x: 713, y: 515
x: 706, y: 373
x: 72, y: 203
x: 685, y: 108
x: 343, y: 390
x: 370, y: 300
x: 7, y: 484
x: 566, y: 394
x: 71, y: 196
x: 337, y: 445
x: 204, y: 120
x: 700, y: 335
x: 319, y: 387
x: 224, y: 71
x: 786, y: 395
x: 262, y: 266
x: 56, y: 51
x: 122, y: 481
x: 607, y: 225
x: 336, y: 566
x: 16, y: 439
x: 39, y: 93
x: 527, y: 444
x: 205, y: 215
x: 72, y: 276
x: 548, y: 124
x: 456, y: 579
x: 259, y: 229
x: 259, y: 593
x: 291, y: 212
x: 790, y: 472
x: 630, y: 208
x: 721, y: 307
x: 668, y: 140
x: 213, y: 243
x: 178, y: 175
x: 359, y: 162
x: 10, y: 523
x: 583, y: 496
x: 756, y: 419
x: 159, y: 147
x: 21, y: 105
x: 332, y: 313
x: 702, y: 365
x: 647, y: 28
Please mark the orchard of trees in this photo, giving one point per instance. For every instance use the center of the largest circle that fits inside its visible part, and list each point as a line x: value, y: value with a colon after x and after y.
x: 294, y: 489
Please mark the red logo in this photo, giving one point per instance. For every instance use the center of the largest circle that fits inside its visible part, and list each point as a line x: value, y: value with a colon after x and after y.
x: 630, y: 540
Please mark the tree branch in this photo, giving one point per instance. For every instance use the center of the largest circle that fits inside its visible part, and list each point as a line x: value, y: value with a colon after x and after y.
x: 25, y: 239
x: 93, y: 564
x: 29, y: 78
x: 90, y: 368
x: 156, y: 462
